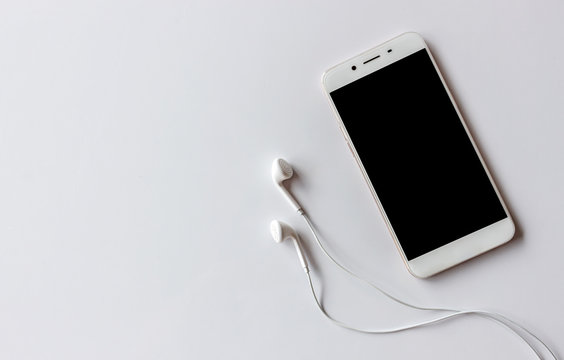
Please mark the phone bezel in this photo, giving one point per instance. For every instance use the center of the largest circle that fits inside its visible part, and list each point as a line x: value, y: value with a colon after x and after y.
x: 458, y: 250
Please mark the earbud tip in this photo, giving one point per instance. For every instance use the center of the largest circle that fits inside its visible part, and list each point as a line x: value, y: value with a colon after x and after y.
x: 281, y: 170
x: 276, y: 230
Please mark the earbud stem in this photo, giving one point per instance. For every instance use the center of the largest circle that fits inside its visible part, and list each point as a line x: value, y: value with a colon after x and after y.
x: 301, y: 255
x: 290, y: 198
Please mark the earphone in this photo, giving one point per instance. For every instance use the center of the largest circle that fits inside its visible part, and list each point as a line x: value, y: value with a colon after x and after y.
x: 281, y: 172
x: 281, y: 231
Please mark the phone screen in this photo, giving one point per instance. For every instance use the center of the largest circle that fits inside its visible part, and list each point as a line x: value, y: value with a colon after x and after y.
x: 417, y: 154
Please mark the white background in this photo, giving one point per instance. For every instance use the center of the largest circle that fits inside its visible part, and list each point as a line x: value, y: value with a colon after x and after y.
x: 136, y: 139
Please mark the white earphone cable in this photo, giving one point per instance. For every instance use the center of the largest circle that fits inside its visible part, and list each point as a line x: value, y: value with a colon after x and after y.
x: 420, y: 324
x: 500, y: 319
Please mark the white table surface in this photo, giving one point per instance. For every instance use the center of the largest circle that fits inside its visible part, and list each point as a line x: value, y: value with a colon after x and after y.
x: 136, y: 139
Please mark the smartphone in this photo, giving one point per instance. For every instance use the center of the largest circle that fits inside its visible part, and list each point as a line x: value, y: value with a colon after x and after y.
x: 417, y: 156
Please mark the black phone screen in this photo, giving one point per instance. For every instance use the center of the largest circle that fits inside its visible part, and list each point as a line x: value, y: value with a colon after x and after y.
x: 417, y: 154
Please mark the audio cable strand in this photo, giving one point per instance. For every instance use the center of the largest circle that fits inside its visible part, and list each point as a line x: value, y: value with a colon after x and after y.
x: 416, y: 325
x: 494, y: 316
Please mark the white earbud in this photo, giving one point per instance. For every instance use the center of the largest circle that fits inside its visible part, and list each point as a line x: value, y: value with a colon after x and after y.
x: 282, y: 171
x: 281, y: 231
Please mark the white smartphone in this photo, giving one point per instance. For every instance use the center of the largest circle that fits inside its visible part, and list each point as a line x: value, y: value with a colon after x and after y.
x: 416, y: 154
